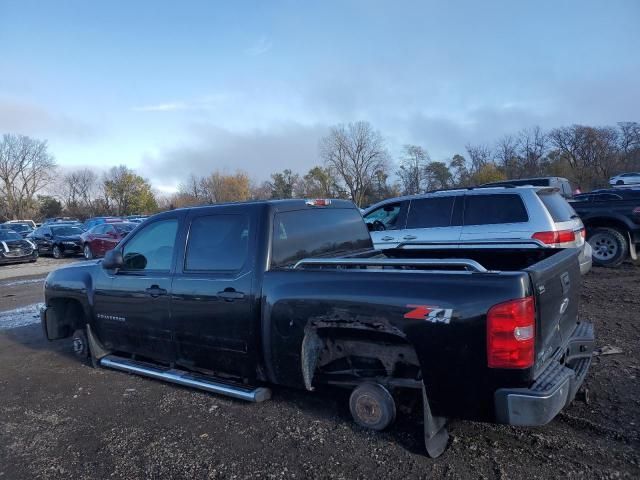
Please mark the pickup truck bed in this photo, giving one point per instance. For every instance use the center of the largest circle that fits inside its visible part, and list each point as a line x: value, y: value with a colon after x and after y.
x: 483, y: 334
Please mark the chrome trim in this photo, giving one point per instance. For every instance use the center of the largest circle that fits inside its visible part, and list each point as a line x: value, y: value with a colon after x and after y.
x: 258, y: 394
x: 398, y: 262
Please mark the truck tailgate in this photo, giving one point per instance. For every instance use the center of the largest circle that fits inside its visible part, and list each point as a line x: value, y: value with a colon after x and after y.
x: 556, y: 283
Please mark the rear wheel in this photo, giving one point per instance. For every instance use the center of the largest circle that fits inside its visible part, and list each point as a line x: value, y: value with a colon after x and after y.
x: 57, y: 251
x: 88, y: 254
x: 372, y: 406
x: 609, y: 246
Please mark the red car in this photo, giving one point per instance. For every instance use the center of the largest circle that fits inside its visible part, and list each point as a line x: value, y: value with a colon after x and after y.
x: 104, y: 237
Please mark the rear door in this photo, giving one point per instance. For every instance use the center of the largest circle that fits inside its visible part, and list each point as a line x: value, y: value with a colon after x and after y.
x: 211, y: 306
x: 496, y: 216
x: 432, y: 219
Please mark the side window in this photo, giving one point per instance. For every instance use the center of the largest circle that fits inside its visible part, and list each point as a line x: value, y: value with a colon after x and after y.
x: 388, y: 216
x: 430, y: 212
x: 492, y: 209
x: 98, y: 230
x: 217, y: 242
x: 152, y: 247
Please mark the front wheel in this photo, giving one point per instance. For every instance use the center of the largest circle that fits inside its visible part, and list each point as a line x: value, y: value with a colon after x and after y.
x: 80, y: 344
x: 88, y: 254
x: 609, y: 246
x: 57, y: 252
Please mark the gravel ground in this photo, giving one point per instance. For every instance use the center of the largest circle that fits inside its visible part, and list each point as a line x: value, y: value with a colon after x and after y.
x: 62, y: 419
x: 40, y: 267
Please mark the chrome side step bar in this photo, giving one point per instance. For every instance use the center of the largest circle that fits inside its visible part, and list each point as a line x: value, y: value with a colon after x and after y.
x: 180, y: 377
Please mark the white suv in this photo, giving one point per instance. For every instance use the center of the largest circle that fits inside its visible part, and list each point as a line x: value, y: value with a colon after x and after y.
x: 539, y: 217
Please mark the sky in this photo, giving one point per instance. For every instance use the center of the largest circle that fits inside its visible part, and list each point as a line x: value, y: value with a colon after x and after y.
x: 174, y: 88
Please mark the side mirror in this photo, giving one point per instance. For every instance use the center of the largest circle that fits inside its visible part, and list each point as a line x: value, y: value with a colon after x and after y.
x: 112, y: 259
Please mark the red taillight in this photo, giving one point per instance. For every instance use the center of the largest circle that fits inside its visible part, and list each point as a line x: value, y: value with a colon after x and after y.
x: 319, y: 202
x: 552, y: 238
x: 511, y: 328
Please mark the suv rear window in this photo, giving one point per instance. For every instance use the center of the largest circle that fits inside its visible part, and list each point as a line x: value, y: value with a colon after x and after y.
x: 430, y: 212
x: 558, y: 207
x: 492, y: 209
x: 312, y: 233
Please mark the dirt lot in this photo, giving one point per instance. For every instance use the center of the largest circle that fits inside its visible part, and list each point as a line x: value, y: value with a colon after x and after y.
x: 62, y: 419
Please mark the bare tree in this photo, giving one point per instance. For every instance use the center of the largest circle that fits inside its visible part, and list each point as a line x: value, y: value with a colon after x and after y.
x: 506, y: 155
x: 355, y: 152
x: 480, y: 156
x: 26, y: 168
x: 79, y: 191
x: 412, y: 171
x: 532, y: 147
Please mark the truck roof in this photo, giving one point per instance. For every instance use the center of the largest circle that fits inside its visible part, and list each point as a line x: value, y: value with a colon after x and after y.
x: 279, y: 205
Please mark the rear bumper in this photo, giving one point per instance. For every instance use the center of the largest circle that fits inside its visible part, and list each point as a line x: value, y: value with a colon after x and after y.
x: 554, y: 388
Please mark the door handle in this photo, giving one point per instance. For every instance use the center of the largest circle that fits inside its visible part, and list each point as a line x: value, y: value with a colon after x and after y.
x: 155, y: 291
x: 229, y: 295
x: 409, y: 237
x: 386, y: 238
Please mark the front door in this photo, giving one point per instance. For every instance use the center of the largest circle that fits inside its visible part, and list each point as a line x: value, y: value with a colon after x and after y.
x: 212, y: 304
x: 134, y: 315
x: 386, y: 224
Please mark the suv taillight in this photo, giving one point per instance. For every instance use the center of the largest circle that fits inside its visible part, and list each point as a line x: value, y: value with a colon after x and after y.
x: 556, y: 238
x: 511, y: 328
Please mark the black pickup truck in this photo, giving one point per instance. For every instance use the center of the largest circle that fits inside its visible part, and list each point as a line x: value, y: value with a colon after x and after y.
x: 233, y: 298
x: 612, y: 221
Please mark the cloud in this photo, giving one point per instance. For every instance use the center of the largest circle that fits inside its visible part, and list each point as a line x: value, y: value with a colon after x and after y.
x: 31, y: 119
x: 206, y: 102
x: 258, y: 152
x: 262, y: 46
x: 162, y: 107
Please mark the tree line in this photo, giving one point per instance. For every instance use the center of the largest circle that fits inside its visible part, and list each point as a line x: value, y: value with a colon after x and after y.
x: 355, y: 164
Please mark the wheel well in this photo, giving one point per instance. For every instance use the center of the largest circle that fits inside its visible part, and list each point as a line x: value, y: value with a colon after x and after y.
x: 345, y: 356
x: 606, y: 223
x: 64, y: 316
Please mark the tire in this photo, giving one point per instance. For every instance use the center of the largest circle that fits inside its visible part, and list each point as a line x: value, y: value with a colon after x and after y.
x: 372, y: 406
x: 610, y: 248
x: 88, y: 254
x: 80, y: 344
x: 57, y: 252
x: 619, y: 182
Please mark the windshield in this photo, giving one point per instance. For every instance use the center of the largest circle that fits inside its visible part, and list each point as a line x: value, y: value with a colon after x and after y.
x: 19, y: 227
x: 9, y: 235
x: 66, y: 231
x: 124, y: 227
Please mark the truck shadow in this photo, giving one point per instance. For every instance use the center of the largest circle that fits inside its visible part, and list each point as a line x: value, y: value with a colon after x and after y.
x: 327, y: 404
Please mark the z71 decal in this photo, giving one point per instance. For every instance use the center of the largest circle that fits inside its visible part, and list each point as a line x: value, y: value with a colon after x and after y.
x: 429, y: 313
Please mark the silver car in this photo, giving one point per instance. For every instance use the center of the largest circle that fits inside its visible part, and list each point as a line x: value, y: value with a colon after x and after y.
x: 632, y: 178
x: 538, y: 216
